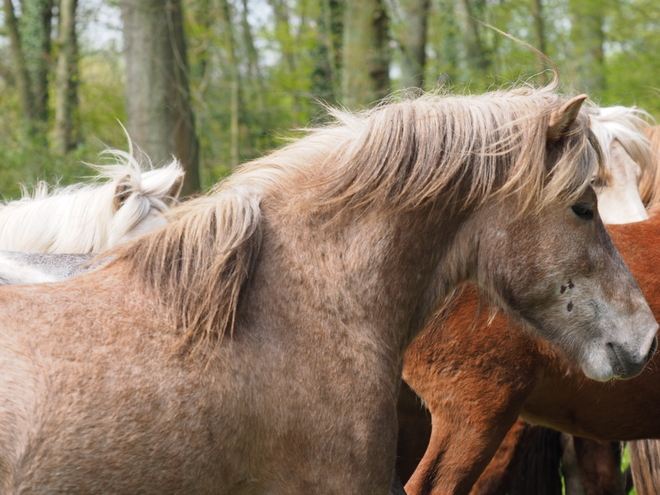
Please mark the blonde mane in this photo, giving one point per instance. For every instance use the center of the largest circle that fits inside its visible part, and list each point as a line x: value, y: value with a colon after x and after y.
x: 126, y: 200
x: 650, y: 187
x: 629, y: 126
x: 457, y: 152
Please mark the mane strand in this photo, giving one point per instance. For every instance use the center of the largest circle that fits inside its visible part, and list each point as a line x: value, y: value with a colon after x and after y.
x: 649, y: 187
x: 198, y: 265
x: 630, y: 127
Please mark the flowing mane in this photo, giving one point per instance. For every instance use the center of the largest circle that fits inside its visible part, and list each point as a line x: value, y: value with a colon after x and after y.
x: 650, y: 189
x: 629, y: 126
x: 398, y: 156
x: 94, y: 217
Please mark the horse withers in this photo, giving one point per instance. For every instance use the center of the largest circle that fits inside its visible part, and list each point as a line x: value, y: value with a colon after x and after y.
x: 255, y: 343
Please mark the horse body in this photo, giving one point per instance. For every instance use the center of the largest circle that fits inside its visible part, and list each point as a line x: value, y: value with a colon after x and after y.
x: 17, y: 267
x: 255, y: 344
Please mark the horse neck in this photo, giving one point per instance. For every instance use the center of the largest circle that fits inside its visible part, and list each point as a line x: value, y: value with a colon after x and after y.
x: 374, y: 275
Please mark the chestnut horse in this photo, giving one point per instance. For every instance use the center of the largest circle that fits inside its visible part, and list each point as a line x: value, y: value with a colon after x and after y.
x: 475, y: 393
x: 255, y: 344
x: 645, y: 454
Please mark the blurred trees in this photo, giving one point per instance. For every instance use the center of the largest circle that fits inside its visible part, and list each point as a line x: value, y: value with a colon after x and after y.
x: 225, y: 81
x: 66, y: 80
x: 366, y: 77
x: 160, y: 116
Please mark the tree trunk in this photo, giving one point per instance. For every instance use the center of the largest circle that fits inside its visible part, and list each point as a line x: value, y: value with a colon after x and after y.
x: 253, y: 59
x: 20, y: 67
x: 365, y: 77
x: 66, y: 84
x: 413, y: 42
x: 230, y: 41
x: 160, y: 115
x: 332, y: 31
x: 478, y: 54
x: 539, y: 31
x: 587, y: 39
x: 35, y: 38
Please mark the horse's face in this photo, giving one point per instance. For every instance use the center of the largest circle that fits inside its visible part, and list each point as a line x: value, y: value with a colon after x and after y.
x: 618, y: 197
x: 560, y: 273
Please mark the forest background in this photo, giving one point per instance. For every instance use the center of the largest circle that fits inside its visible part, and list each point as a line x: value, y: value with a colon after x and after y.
x: 219, y: 82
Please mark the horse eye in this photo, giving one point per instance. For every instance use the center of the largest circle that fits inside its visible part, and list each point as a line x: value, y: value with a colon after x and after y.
x: 583, y: 211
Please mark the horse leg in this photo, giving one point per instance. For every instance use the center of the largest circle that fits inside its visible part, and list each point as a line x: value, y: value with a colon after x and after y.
x: 600, y: 466
x: 538, y: 472
x: 645, y: 465
x: 458, y: 451
x: 570, y: 469
x: 498, y: 475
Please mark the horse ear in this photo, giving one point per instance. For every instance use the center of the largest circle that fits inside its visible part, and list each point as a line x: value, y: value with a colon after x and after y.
x: 562, y: 118
x: 122, y: 192
x: 173, y: 192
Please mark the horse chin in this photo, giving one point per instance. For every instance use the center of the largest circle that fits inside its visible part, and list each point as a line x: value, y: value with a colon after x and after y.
x: 613, y: 361
x: 597, y: 366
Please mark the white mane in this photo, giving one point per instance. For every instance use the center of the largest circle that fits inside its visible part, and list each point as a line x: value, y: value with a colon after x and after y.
x: 628, y: 126
x: 94, y: 217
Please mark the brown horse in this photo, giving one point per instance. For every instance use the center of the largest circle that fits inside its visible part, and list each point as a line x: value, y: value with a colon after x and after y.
x: 255, y: 344
x: 476, y: 392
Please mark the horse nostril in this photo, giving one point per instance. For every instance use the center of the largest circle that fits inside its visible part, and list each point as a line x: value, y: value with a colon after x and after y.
x: 654, y: 347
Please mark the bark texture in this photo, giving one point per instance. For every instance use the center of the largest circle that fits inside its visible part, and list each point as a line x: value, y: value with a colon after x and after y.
x: 365, y: 76
x: 160, y: 115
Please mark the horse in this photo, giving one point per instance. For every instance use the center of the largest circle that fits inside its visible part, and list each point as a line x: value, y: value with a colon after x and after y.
x: 595, y: 464
x: 630, y: 175
x: 476, y: 393
x: 17, y: 267
x: 627, y: 164
x: 255, y: 343
x: 92, y: 218
x: 645, y: 453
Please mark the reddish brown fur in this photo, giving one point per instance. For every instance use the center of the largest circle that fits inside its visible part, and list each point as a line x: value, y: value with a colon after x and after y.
x: 475, y: 393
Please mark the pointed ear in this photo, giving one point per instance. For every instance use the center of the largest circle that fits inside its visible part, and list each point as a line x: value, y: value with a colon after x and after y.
x: 122, y: 192
x: 173, y: 192
x: 562, y: 118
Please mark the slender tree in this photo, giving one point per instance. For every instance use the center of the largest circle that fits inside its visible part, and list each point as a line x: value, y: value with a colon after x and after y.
x: 20, y: 66
x: 479, y: 57
x: 35, y: 26
x: 160, y: 115
x: 413, y: 42
x: 66, y: 78
x: 234, y: 83
x: 588, y: 38
x: 365, y: 73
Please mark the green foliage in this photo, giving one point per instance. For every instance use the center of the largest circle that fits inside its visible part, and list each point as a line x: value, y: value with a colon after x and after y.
x: 25, y: 159
x: 289, y: 58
